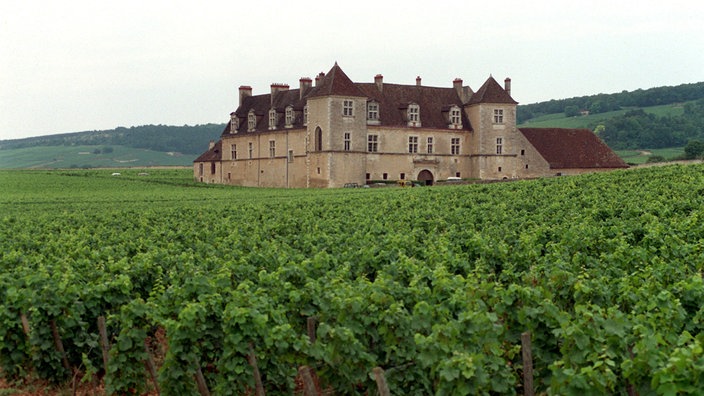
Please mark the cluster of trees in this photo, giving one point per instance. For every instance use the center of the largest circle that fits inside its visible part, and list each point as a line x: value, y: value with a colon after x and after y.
x: 182, y: 139
x: 602, y: 103
x: 638, y: 129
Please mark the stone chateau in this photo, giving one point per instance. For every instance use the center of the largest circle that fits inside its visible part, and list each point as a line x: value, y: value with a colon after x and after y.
x: 337, y: 131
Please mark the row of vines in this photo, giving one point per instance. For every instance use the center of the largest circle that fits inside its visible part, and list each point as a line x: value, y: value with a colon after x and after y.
x: 434, y: 285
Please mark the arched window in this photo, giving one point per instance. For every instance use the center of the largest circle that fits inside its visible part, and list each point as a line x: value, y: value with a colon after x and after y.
x: 251, y: 121
x: 318, y: 139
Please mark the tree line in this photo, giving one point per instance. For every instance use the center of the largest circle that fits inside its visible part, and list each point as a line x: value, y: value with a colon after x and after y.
x: 602, y: 103
x: 182, y: 139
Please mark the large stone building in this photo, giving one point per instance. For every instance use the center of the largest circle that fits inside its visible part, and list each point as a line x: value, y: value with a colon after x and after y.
x: 337, y: 132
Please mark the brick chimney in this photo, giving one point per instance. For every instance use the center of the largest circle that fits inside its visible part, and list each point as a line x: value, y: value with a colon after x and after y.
x: 305, y: 83
x: 457, y: 85
x: 276, y: 88
x: 507, y: 86
x: 379, y: 81
x: 418, y: 81
x: 245, y: 90
x: 318, y: 78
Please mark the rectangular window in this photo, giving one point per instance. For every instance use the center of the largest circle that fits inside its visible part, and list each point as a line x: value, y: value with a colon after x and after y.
x: 212, y: 168
x: 233, y: 151
x: 498, y: 116
x: 430, y: 145
x: 251, y: 121
x: 455, y: 116
x: 368, y: 176
x: 372, y: 111
x: 272, y: 148
x: 402, y: 176
x: 523, y: 152
x: 499, y: 145
x: 347, y: 108
x: 457, y: 174
x: 289, y: 117
x: 272, y: 119
x: 290, y: 156
x: 413, y: 144
x: 305, y: 115
x: 385, y: 176
x: 347, y: 141
x: 373, y: 143
x: 200, y: 169
x: 251, y: 150
x: 413, y: 113
x: 455, y: 146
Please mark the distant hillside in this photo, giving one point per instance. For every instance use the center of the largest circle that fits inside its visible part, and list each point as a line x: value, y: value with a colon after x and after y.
x: 653, y: 118
x: 187, y: 140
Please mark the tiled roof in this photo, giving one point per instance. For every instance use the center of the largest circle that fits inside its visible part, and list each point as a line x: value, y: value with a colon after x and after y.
x: 491, y: 92
x: 434, y: 104
x: 572, y: 148
x: 214, y: 154
x: 335, y: 82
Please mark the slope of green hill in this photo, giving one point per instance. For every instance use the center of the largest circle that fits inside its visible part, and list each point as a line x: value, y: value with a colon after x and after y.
x: 560, y: 120
x: 89, y: 157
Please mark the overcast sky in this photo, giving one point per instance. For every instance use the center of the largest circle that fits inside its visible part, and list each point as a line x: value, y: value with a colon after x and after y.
x: 70, y: 66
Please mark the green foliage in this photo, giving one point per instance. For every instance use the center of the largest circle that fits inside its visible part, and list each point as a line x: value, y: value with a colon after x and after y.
x: 434, y: 285
x: 694, y: 149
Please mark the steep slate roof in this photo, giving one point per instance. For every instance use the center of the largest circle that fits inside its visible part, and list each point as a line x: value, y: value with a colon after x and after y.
x: 491, y: 92
x: 214, y: 154
x: 335, y: 82
x: 572, y: 148
x: 434, y: 104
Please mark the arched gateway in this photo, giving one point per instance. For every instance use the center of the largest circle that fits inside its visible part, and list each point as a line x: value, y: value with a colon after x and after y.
x: 426, y: 177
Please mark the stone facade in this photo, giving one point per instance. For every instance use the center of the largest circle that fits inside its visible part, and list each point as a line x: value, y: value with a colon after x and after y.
x: 340, y: 132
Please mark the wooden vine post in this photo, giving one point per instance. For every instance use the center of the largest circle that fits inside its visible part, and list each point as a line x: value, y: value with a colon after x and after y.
x: 25, y: 324
x: 310, y: 322
x: 381, y: 384
x: 308, y: 384
x: 252, y: 359
x: 151, y: 367
x: 200, y: 380
x: 59, y: 345
x: 527, y: 354
x: 104, y: 345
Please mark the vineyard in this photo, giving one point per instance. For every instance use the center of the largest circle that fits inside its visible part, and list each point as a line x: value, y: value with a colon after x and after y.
x: 152, y: 283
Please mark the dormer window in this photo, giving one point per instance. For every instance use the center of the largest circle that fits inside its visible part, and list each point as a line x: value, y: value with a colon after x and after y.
x: 251, y: 121
x: 305, y: 115
x: 373, y: 111
x: 413, y: 115
x: 347, y: 108
x: 455, y: 117
x: 234, y: 123
x: 272, y: 119
x: 289, y: 117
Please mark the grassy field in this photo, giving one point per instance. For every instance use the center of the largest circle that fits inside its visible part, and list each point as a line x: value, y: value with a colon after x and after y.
x: 559, y: 120
x: 637, y: 157
x: 65, y: 157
